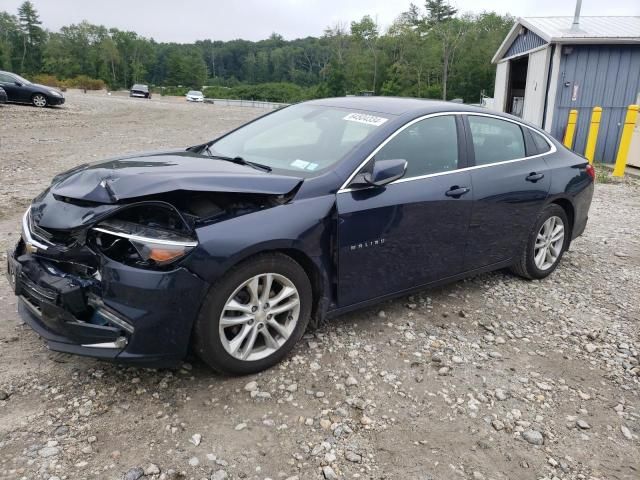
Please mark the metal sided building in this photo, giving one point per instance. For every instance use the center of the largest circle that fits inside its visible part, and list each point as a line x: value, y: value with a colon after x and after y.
x: 547, y: 66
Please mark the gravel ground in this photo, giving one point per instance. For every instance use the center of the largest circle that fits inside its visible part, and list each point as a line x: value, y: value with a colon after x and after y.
x: 489, y: 378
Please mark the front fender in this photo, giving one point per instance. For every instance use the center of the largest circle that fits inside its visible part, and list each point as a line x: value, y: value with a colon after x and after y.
x: 304, y: 225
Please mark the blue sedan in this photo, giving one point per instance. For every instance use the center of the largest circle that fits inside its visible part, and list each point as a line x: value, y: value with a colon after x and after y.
x: 234, y: 247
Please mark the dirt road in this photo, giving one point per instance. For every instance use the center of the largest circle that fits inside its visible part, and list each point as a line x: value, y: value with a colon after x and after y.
x: 489, y: 378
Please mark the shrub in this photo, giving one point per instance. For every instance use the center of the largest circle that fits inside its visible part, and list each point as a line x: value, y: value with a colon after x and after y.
x: 85, y: 82
x: 81, y: 81
x: 175, y: 91
x: 270, y: 92
x: 48, y: 80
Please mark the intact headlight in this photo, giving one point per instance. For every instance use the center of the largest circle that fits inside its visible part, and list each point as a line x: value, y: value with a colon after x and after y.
x: 143, y: 237
x: 55, y: 93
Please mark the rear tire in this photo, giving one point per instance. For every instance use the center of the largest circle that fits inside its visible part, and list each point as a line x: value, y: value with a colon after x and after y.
x: 248, y: 341
x: 545, y: 245
x: 39, y: 100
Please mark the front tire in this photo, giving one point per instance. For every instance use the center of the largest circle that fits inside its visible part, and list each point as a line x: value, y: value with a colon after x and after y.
x: 252, y: 318
x: 546, y: 243
x: 39, y: 100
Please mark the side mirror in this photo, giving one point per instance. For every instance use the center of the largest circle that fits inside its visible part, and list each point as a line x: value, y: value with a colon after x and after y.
x: 384, y: 172
x: 18, y: 84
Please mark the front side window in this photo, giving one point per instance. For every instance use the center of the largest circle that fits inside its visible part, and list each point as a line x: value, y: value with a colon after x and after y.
x: 17, y: 78
x: 304, y: 139
x: 496, y: 140
x: 429, y: 146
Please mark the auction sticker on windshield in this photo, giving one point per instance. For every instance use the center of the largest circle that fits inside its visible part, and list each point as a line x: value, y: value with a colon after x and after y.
x: 364, y: 118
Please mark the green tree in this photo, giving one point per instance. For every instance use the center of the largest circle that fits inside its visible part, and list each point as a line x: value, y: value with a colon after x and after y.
x: 438, y: 11
x: 186, y: 67
x: 366, y: 32
x: 336, y: 80
x: 9, y: 33
x: 427, y: 52
x: 32, y: 38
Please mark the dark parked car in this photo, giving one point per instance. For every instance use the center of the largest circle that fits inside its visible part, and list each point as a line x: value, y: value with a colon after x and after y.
x: 21, y: 90
x: 234, y: 246
x: 3, y: 96
x: 140, y: 91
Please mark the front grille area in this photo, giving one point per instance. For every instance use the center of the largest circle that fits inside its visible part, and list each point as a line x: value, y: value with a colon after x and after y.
x: 35, y: 293
x: 51, y: 237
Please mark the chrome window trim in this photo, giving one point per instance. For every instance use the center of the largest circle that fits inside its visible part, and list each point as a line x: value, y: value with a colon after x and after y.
x: 346, y: 189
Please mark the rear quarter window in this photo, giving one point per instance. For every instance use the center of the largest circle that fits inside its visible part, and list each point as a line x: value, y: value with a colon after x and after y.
x: 541, y: 144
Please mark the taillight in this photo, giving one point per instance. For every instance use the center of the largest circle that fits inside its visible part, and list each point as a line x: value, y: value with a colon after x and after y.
x: 591, y: 171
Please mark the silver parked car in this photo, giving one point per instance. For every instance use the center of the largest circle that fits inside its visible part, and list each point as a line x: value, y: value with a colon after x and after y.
x: 194, y: 96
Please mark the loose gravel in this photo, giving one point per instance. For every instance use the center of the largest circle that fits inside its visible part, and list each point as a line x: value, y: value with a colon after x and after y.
x: 493, y: 377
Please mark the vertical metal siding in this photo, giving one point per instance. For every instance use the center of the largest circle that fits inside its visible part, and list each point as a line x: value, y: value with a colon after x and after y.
x: 523, y: 43
x: 608, y: 76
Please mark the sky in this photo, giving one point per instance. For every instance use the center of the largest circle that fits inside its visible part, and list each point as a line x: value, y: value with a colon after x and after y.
x: 189, y: 20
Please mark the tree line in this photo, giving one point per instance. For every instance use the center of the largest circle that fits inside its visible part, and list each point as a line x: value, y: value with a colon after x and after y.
x: 432, y: 51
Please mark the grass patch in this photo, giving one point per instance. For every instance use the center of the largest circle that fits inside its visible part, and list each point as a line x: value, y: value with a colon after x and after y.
x: 603, y: 173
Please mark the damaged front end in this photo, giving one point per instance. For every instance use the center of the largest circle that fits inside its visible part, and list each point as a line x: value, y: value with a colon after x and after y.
x: 112, y: 279
x: 112, y: 289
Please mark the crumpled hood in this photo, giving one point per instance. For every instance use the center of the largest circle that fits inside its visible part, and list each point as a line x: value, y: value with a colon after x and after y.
x: 111, y: 181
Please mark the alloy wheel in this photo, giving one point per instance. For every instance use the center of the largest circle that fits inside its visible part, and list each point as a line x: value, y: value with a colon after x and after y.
x: 549, y: 243
x: 39, y: 100
x: 259, y: 316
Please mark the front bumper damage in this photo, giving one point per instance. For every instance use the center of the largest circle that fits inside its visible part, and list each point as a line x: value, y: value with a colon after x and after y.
x: 115, y: 313
x: 88, y: 287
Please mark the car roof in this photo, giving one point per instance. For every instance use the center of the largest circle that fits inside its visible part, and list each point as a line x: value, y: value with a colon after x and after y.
x: 395, y: 105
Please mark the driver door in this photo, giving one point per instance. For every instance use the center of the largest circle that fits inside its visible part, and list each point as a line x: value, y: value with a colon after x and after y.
x: 412, y: 231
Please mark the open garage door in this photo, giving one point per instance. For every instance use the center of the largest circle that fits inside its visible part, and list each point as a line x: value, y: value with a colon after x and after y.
x: 536, y: 86
x: 500, y: 89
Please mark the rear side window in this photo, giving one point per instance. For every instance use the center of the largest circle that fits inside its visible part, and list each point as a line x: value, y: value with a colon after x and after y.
x: 495, y: 140
x: 541, y: 144
x: 428, y: 146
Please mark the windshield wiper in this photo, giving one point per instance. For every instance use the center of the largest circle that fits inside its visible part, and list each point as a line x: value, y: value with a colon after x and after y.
x: 238, y: 160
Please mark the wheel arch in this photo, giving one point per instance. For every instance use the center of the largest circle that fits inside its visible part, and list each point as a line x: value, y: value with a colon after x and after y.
x: 319, y: 283
x: 317, y: 273
x: 569, y: 209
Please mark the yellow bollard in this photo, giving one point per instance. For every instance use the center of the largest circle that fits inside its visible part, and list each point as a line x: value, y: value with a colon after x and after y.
x: 625, y: 140
x: 590, y: 150
x: 571, y: 128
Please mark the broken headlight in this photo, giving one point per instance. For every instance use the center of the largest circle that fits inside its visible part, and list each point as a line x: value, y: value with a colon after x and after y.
x: 149, y: 237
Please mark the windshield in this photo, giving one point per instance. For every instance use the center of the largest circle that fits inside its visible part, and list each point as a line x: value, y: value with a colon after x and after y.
x: 139, y: 87
x: 302, y: 138
x: 21, y: 80
x: 195, y: 92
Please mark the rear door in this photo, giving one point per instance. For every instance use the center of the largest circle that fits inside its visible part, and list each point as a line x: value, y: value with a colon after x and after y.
x: 510, y: 182
x: 412, y: 231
